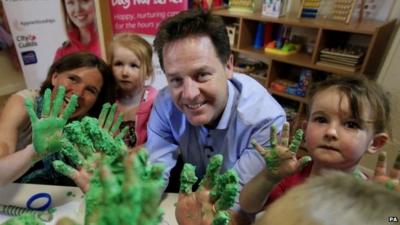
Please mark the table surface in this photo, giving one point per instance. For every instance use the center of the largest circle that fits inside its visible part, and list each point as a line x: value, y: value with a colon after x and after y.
x: 168, y: 205
x: 68, y: 201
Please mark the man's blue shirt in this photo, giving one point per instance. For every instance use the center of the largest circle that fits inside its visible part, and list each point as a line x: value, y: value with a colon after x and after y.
x: 249, y: 114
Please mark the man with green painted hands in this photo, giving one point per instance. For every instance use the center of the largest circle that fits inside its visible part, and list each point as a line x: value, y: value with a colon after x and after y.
x: 210, y: 203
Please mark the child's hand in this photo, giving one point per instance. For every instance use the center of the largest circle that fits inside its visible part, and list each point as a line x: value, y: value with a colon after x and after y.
x: 47, y: 131
x: 281, y: 158
x: 391, y: 181
x: 84, y: 141
x: 211, y: 202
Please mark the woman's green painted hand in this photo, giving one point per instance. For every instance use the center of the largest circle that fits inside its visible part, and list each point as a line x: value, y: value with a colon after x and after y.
x: 47, y: 131
x: 83, y: 142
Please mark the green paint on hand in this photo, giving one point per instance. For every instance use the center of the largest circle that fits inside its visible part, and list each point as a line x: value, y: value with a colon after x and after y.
x: 222, y: 218
x: 188, y: 178
x: 63, y: 168
x: 213, y: 167
x: 298, y: 136
x: 24, y: 219
x: 273, y: 161
x: 226, y: 190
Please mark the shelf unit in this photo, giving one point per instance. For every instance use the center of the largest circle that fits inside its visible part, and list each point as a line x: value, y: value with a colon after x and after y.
x: 372, y: 35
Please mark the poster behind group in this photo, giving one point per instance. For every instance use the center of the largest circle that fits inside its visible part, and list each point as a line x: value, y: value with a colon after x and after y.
x: 143, y: 16
x: 37, y: 30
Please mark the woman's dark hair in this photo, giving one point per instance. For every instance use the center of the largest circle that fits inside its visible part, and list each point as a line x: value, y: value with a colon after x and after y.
x: 79, y: 60
x: 195, y: 22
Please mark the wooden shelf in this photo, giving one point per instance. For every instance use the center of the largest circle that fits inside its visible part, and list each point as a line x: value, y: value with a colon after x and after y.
x: 324, y: 33
x: 366, y: 27
x: 298, y: 59
x: 288, y: 96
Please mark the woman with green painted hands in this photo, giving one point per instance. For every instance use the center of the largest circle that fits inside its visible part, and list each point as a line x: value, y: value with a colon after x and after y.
x: 85, y: 142
x: 81, y: 74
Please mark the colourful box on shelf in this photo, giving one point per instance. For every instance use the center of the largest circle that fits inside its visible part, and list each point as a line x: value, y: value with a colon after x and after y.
x: 242, y: 6
x: 295, y: 91
x: 274, y: 8
x: 276, y: 86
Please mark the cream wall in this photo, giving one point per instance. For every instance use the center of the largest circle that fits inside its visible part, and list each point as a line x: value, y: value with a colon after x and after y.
x: 11, y: 79
x: 389, y: 78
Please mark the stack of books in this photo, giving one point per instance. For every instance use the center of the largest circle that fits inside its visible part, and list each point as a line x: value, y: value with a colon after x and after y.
x: 349, y: 58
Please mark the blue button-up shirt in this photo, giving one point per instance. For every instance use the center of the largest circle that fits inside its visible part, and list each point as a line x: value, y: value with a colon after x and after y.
x: 249, y: 113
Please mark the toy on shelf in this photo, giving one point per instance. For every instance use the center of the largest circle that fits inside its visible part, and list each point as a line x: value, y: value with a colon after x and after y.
x: 298, y: 88
x: 242, y: 6
x: 233, y: 30
x: 274, y: 8
x: 281, y: 44
x: 343, y: 9
x: 287, y: 48
x: 309, y: 8
x: 281, y: 85
x: 348, y: 58
x: 259, y: 39
x: 250, y: 66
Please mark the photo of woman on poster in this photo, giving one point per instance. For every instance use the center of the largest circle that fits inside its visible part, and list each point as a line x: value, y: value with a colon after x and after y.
x: 81, y: 28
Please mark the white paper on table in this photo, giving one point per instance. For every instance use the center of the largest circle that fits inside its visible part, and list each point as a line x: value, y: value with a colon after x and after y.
x: 67, y: 201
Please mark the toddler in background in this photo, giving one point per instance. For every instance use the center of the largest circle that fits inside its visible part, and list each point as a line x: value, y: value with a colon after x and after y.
x: 130, y: 57
x: 347, y: 117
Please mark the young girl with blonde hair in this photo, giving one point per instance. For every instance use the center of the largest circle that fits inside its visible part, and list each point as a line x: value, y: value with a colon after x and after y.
x: 130, y: 57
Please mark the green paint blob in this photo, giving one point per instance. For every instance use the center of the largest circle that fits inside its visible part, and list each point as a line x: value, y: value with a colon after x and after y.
x: 188, y: 178
x: 222, y: 218
x: 213, y: 167
x: 226, y: 190
x: 63, y: 168
x: 273, y: 161
x: 25, y: 219
x: 298, y: 136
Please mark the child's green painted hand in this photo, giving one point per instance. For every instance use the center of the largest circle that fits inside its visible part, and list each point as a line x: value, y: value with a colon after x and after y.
x: 391, y: 180
x: 281, y: 158
x: 211, y: 202
x: 48, y: 130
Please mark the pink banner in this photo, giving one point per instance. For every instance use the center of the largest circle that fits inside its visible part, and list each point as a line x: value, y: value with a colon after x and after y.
x: 143, y: 16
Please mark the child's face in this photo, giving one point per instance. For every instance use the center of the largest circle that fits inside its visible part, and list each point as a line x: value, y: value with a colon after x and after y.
x: 335, y: 139
x: 126, y: 68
